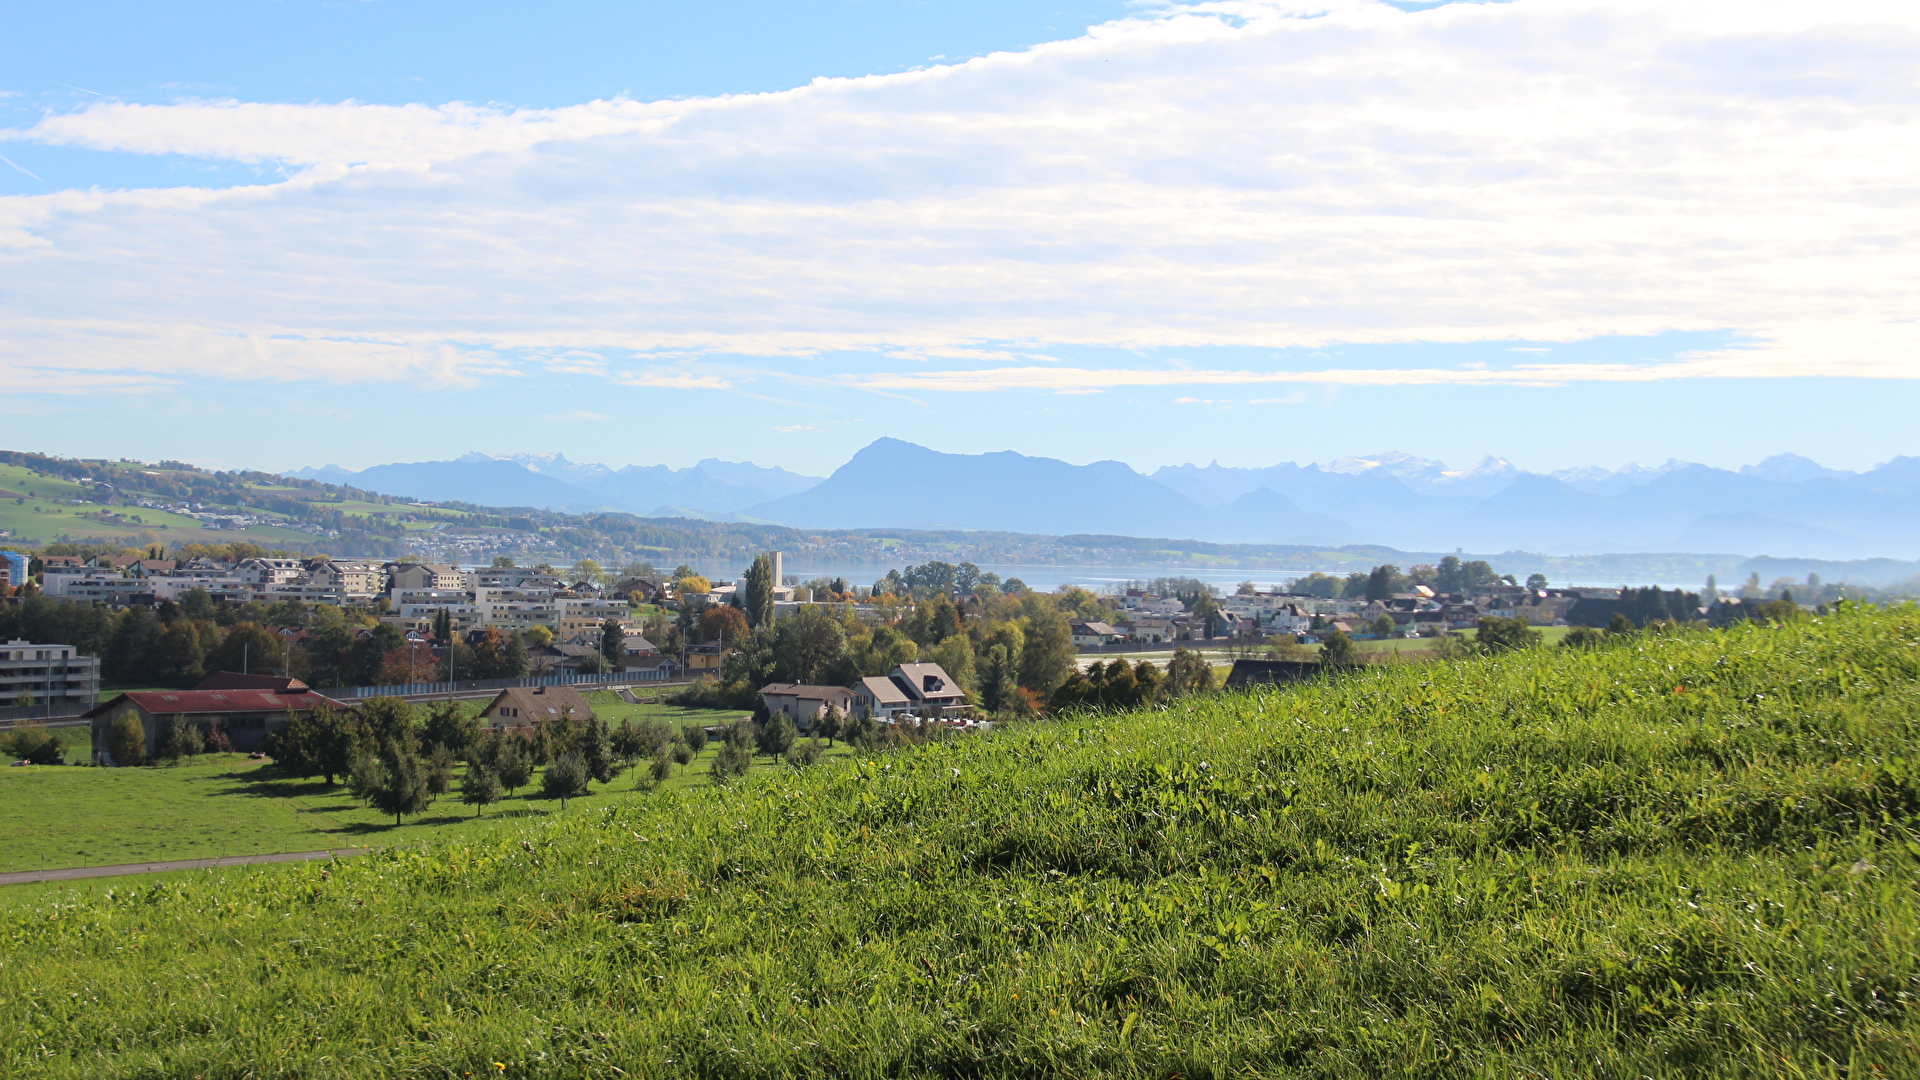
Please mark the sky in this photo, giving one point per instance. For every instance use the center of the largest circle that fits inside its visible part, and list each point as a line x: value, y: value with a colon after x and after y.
x: 276, y: 233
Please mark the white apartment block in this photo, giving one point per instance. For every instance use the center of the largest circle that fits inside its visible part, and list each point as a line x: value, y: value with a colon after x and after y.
x: 51, y: 675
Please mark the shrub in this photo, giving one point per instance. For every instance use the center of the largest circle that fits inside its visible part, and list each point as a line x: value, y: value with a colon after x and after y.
x: 1583, y: 637
x: 805, y: 754
x: 127, y: 741
x: 182, y: 739
x: 662, y: 765
x: 31, y: 742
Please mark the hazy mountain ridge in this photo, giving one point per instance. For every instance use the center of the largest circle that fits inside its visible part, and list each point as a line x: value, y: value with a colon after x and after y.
x: 1785, y: 506
x: 710, y: 488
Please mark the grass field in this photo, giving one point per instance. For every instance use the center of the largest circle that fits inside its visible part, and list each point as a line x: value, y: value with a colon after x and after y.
x: 1672, y: 856
x: 225, y: 804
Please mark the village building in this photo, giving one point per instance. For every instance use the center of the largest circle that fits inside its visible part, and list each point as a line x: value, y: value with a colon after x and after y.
x: 247, y: 707
x: 804, y: 704
x: 523, y: 706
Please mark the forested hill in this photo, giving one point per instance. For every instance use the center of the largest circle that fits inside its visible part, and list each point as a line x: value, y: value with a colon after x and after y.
x: 1682, y: 855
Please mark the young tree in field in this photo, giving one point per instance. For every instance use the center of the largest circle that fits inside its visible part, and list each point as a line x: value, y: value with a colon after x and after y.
x: 127, y: 741
x: 830, y: 723
x: 182, y: 739
x: 662, y: 767
x: 804, y: 754
x: 1187, y: 674
x: 734, y: 759
x: 439, y: 771
x: 566, y: 778
x: 449, y: 725
x: 480, y: 788
x: 595, y: 748
x: 317, y: 742
x: 1336, y: 649
x: 682, y: 753
x: 695, y: 736
x: 512, y: 765
x: 399, y: 786
x: 776, y: 735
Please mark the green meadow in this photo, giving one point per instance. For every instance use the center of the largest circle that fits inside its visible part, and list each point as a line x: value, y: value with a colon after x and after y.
x: 1688, y: 855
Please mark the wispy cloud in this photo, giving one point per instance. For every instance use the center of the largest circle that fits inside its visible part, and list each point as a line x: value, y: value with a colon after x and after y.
x: 1225, y: 174
x: 572, y: 417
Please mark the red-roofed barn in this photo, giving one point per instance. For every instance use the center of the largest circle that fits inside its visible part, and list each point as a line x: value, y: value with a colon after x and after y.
x: 249, y: 707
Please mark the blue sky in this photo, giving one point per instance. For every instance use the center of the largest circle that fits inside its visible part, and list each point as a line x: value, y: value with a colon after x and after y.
x: 1564, y: 232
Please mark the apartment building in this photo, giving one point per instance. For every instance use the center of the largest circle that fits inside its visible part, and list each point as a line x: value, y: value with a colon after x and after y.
x: 54, y: 676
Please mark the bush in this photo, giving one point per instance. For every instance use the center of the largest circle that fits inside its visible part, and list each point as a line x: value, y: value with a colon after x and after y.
x: 127, y: 741
x: 734, y: 759
x: 1583, y: 637
x: 182, y: 739
x: 31, y: 742
x: 806, y: 753
x: 662, y: 765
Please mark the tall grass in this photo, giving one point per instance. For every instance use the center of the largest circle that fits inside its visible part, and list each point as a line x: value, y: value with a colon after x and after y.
x: 1673, y: 856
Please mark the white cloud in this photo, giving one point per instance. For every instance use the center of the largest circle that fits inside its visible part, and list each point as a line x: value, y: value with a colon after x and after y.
x: 1527, y: 171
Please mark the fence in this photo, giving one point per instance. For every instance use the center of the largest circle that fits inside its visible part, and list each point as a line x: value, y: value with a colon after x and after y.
x: 627, y: 678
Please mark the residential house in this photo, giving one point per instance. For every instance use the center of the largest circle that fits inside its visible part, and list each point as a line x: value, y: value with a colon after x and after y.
x: 146, y: 568
x: 933, y: 692
x: 881, y: 699
x: 1152, y: 628
x: 805, y: 704
x: 1093, y: 633
x: 698, y: 660
x: 248, y: 707
x: 268, y: 571
x: 523, y: 706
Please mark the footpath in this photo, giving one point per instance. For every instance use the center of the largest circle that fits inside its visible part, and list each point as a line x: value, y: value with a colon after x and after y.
x: 72, y: 873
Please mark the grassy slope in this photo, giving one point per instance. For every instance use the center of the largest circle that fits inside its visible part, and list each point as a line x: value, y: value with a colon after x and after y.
x: 1687, y: 856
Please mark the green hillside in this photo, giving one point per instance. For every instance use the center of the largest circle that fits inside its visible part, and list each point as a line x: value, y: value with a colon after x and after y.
x: 1676, y: 856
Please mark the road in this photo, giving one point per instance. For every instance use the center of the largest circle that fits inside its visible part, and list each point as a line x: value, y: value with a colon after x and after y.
x: 73, y: 873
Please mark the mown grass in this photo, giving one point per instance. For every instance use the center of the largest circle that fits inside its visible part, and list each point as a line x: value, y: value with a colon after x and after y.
x: 1683, y: 856
x: 225, y: 804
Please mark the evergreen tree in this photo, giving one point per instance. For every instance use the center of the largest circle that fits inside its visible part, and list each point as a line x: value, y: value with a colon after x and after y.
x: 776, y: 735
x: 315, y: 742
x: 439, y: 771
x: 512, y: 765
x: 480, y: 788
x: 566, y: 778
x: 449, y: 726
x: 517, y: 663
x: 662, y: 767
x: 400, y: 786
x: 1383, y: 582
x: 595, y: 748
x: 695, y: 736
x: 830, y: 723
x: 613, y: 644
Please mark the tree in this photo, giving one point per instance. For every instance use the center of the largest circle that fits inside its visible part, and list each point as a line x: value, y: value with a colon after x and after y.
x: 758, y: 589
x: 588, y: 571
x: 182, y: 739
x: 1247, y: 588
x: 1620, y: 624
x: 662, y: 767
x: 596, y: 750
x: 776, y: 736
x: 398, y: 786
x: 955, y: 657
x: 1497, y: 635
x: 723, y: 622
x: 805, y: 754
x: 999, y: 681
x: 1383, y: 582
x: 566, y: 778
x: 443, y: 626
x: 830, y: 723
x: 1336, y: 649
x: 502, y: 562
x: 439, y: 771
x: 809, y: 646
x: 734, y: 759
x: 317, y: 741
x: 1048, y: 653
x: 246, y: 648
x: 31, y: 742
x: 592, y: 664
x: 613, y: 643
x: 512, y: 765
x: 449, y: 726
x: 177, y: 654
x: 127, y: 740
x: 1381, y: 626
x: 480, y: 788
x: 695, y: 736
x: 1539, y: 581
x: 1187, y: 673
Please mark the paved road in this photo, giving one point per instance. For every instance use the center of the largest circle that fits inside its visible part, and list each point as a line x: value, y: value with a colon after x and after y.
x: 73, y: 872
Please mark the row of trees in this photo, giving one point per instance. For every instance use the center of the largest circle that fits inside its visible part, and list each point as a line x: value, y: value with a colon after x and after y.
x: 1451, y: 575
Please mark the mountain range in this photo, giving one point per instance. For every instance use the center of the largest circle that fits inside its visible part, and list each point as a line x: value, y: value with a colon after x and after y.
x: 1784, y: 506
